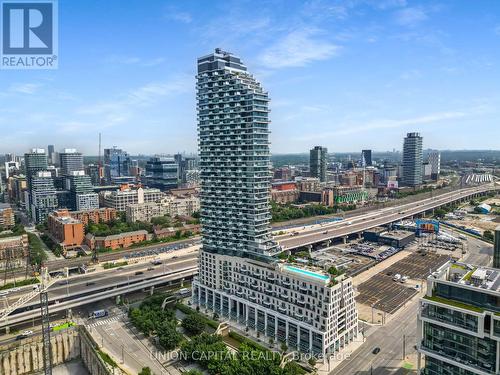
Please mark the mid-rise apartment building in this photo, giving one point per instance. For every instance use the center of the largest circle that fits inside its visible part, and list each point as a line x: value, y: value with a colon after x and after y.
x: 7, y: 219
x: 171, y: 205
x: 239, y: 276
x: 13, y: 252
x: 65, y: 230
x: 459, y: 321
x: 125, y: 196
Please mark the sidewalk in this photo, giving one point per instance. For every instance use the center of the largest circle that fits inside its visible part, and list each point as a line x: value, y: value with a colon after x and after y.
x: 337, y: 358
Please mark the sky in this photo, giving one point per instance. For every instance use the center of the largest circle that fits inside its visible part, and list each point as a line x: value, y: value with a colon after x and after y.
x: 346, y: 75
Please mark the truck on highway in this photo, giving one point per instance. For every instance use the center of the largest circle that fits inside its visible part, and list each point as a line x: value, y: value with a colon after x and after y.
x: 404, y: 279
x: 98, y: 314
x: 397, y: 277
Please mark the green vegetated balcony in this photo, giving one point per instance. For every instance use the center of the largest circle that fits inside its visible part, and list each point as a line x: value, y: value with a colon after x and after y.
x: 453, y: 303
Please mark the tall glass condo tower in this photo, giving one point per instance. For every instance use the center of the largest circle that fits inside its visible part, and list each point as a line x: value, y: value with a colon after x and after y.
x: 239, y: 277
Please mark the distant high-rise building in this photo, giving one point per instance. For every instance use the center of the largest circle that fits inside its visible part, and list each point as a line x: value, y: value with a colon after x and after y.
x: 318, y: 162
x: 162, y: 173
x: 366, y: 158
x: 496, y: 250
x: 82, y: 196
x: 43, y: 197
x: 34, y: 161
x: 412, y: 160
x: 96, y: 174
x: 116, y: 163
x: 10, y: 157
x: 240, y: 279
x: 70, y: 161
x: 51, y: 154
x: 434, y: 159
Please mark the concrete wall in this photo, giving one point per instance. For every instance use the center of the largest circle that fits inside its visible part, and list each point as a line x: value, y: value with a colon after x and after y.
x: 26, y: 356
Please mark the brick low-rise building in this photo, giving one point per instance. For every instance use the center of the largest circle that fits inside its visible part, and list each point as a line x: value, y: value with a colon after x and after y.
x: 116, y: 241
x: 100, y: 215
x: 171, y: 231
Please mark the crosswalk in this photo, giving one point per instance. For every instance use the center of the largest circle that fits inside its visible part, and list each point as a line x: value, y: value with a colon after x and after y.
x: 100, y: 322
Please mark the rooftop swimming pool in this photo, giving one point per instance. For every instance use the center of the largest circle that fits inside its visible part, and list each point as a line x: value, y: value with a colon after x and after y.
x: 307, y: 273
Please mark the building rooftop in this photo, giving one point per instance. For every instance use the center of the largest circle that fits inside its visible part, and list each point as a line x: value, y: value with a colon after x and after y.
x: 480, y: 277
x: 67, y: 220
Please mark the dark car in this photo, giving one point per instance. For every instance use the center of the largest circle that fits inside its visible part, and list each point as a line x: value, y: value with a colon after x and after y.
x: 20, y: 337
x: 376, y: 350
x: 139, y: 272
x: 90, y: 283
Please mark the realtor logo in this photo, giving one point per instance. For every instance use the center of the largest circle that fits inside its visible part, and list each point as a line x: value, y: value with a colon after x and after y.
x: 28, y: 34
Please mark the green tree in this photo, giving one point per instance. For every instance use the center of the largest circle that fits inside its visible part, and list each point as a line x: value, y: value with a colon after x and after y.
x: 194, y: 324
x: 168, y: 337
x: 145, y: 371
x: 488, y: 235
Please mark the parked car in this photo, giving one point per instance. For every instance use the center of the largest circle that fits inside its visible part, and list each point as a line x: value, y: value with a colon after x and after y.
x: 376, y: 350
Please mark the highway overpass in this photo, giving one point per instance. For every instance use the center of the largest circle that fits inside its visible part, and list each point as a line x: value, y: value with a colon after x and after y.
x: 317, y: 234
x: 75, y: 291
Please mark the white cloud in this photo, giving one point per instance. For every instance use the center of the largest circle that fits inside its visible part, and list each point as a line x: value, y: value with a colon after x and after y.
x: 410, y: 16
x: 24, y: 88
x: 121, y: 109
x: 133, y: 60
x: 298, y: 48
x: 389, y: 124
x: 179, y: 16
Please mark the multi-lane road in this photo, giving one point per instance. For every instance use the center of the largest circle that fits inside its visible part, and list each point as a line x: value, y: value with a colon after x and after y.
x: 357, y: 224
x: 77, y: 290
x: 402, y: 328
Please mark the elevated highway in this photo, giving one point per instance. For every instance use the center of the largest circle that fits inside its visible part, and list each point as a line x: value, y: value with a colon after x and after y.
x: 75, y: 291
x: 319, y: 233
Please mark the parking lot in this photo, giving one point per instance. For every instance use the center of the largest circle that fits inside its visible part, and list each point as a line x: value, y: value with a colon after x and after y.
x: 382, y: 293
x: 417, y: 266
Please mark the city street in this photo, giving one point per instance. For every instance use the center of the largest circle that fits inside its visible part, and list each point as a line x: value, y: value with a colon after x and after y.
x: 401, y: 327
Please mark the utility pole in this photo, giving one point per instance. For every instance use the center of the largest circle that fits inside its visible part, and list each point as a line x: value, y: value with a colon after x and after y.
x: 44, y: 307
x: 404, y: 347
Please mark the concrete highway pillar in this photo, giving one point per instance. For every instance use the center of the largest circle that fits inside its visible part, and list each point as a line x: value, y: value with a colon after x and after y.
x: 7, y: 330
x: 309, y: 249
x: 182, y: 282
x: 151, y: 290
x: 345, y: 239
x: 360, y: 236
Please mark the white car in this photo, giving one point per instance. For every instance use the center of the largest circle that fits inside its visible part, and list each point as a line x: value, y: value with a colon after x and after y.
x: 27, y: 333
